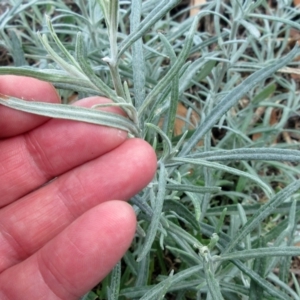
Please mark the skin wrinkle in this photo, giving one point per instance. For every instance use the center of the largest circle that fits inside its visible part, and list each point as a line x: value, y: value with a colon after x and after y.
x: 33, y: 219
x: 40, y: 214
x: 74, y: 245
x: 29, y: 280
x: 19, y: 252
x: 52, y: 217
x: 65, y: 187
x: 36, y: 151
x: 41, y: 260
x: 2, y: 163
x: 14, y: 159
x: 33, y: 285
x: 39, y: 284
x: 38, y: 235
x: 68, y: 199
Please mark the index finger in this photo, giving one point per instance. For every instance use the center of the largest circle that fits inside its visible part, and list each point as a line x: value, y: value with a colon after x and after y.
x: 14, y: 122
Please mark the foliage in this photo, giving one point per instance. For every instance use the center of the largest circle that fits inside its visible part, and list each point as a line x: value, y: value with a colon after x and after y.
x: 219, y: 220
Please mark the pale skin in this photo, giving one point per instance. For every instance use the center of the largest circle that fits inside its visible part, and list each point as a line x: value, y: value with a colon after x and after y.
x: 64, y: 223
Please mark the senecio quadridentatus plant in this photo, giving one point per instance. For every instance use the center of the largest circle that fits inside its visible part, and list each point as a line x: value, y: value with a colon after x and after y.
x: 145, y: 106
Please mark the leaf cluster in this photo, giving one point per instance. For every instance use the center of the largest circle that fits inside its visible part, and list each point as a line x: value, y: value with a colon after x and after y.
x: 219, y: 220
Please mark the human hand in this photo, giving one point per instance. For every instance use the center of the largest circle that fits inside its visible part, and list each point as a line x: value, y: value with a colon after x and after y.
x: 61, y: 229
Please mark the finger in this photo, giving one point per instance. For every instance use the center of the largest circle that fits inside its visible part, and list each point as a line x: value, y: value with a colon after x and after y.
x: 14, y: 122
x: 26, y: 225
x: 75, y: 260
x: 30, y: 160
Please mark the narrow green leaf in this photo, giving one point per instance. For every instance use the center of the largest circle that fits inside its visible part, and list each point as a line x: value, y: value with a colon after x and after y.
x: 252, y: 29
x: 132, y: 293
x: 170, y: 50
x: 265, y: 211
x: 167, y: 143
x: 89, y: 73
x: 212, y: 284
x: 105, y: 6
x: 224, y: 239
x: 196, y: 201
x: 130, y: 262
x: 265, y: 93
x: 160, y: 290
x: 237, y: 289
x: 221, y: 220
x: 143, y: 271
x: 60, y: 45
x: 113, y: 19
x: 182, y: 211
x: 155, y: 221
x: 267, y: 287
x: 283, y: 286
x: 69, y: 68
x: 278, y: 231
x: 157, y: 13
x: 16, y: 9
x: 166, y: 80
x: 171, y: 115
x: 266, y: 154
x: 138, y: 60
x: 114, y: 287
x: 17, y: 50
x: 285, y: 236
x: 184, y: 255
x: 193, y: 188
x: 233, y: 97
x: 276, y: 19
x: 250, y: 209
x: 90, y: 296
x: 58, y: 78
x: 285, y: 262
x: 296, y: 283
x: 142, y: 205
x: 169, y: 119
x: 183, y: 235
x: 213, y: 165
x: 207, y: 68
x: 259, y: 267
x: 243, y: 219
x: 70, y: 112
x: 259, y: 252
